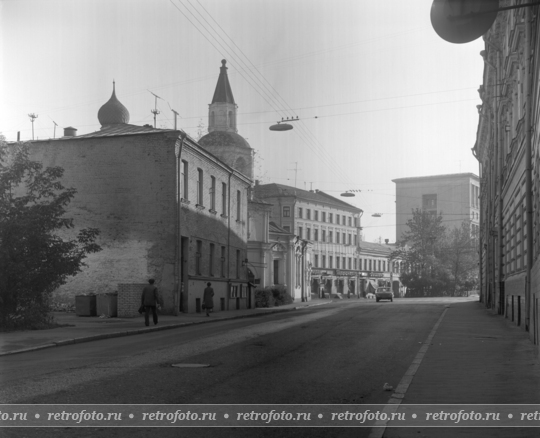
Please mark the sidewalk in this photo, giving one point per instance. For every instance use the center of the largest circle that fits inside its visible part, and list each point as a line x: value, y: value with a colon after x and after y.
x: 474, y: 357
x: 91, y: 328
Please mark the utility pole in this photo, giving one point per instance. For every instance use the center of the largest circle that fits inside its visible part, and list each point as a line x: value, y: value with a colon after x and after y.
x: 155, y: 111
x: 32, y: 118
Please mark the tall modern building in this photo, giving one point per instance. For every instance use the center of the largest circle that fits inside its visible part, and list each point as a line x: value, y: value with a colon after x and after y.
x: 454, y: 196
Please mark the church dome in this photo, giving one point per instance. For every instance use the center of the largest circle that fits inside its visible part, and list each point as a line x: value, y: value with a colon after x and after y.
x: 223, y: 139
x: 113, y: 112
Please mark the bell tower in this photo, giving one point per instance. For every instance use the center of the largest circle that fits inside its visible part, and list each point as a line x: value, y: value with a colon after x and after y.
x: 222, y: 110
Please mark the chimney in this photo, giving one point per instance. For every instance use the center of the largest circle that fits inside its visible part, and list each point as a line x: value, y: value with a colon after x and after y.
x: 70, y: 131
x: 386, y: 241
x: 18, y: 136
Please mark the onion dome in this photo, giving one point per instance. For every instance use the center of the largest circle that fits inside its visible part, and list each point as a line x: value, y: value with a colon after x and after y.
x: 113, y: 112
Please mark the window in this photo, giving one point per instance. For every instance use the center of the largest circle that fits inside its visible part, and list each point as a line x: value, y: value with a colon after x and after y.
x: 198, y: 256
x: 287, y: 211
x: 315, y: 235
x: 300, y: 234
x: 323, y: 216
x: 224, y: 199
x: 350, y: 221
x: 330, y: 237
x: 337, y: 236
x: 323, y: 235
x: 344, y: 241
x: 200, y: 197
x: 276, y: 271
x: 222, y: 261
x: 429, y: 202
x: 300, y: 212
x: 384, y: 265
x: 355, y: 264
x: 330, y: 262
x: 308, y: 235
x: 355, y: 240
x: 316, y: 260
x: 356, y: 222
x: 211, y: 260
x: 308, y: 213
x: 337, y: 219
x: 238, y: 205
x: 323, y: 261
x: 213, y: 194
x: 287, y: 228
x: 350, y: 263
x: 379, y: 264
x: 350, y: 239
x: 370, y: 264
x: 330, y: 217
x: 365, y: 265
x: 337, y: 263
x: 315, y: 215
x: 238, y: 263
x: 184, y: 179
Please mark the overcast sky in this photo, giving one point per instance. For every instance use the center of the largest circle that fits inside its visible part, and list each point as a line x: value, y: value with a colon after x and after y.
x: 379, y: 95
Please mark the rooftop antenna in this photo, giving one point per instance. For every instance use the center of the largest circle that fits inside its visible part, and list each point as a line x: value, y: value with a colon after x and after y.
x: 295, y: 172
x: 55, y: 125
x: 175, y: 115
x: 155, y: 111
x: 32, y: 118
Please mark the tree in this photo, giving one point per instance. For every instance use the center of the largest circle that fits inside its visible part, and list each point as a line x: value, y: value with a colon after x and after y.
x: 34, y: 259
x: 419, y: 248
x: 461, y: 258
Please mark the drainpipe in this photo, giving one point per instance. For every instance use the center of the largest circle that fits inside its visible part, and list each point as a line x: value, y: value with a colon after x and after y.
x: 177, y: 251
x: 528, y: 163
x: 229, y: 242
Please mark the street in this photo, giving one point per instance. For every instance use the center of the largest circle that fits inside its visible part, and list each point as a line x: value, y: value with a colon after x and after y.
x: 341, y: 353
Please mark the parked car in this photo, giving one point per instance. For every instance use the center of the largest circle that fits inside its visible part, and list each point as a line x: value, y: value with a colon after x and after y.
x: 384, y: 293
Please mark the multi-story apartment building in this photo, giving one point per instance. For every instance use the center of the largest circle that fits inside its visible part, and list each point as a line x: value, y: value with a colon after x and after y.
x: 454, y: 196
x: 329, y: 224
x: 507, y: 148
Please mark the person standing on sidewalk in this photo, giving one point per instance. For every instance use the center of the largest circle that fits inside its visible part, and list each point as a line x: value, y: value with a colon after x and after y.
x: 208, y: 298
x: 150, y: 301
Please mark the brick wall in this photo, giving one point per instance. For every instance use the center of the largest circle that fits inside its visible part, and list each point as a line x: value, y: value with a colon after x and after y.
x: 126, y: 187
x: 129, y: 299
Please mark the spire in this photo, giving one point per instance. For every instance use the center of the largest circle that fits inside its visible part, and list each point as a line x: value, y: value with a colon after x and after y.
x: 223, y: 93
x: 113, y: 112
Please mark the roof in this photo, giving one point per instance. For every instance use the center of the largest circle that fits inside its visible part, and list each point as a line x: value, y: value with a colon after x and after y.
x: 275, y: 228
x: 121, y: 129
x: 377, y: 247
x: 279, y: 190
x: 446, y: 176
x: 223, y: 139
x: 223, y: 93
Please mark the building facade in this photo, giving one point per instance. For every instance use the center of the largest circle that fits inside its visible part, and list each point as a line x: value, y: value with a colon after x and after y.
x: 166, y: 208
x: 330, y: 225
x: 507, y: 149
x: 454, y: 196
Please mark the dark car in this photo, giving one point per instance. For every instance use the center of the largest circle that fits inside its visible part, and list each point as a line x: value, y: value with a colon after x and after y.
x: 384, y: 293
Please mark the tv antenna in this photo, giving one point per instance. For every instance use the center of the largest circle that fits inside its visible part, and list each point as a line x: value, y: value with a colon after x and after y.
x: 155, y: 111
x: 32, y: 118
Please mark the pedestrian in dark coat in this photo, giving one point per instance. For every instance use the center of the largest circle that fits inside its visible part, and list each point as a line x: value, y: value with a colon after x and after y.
x: 208, y: 298
x: 150, y: 301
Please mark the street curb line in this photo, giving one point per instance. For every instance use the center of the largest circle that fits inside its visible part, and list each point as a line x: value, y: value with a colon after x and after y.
x: 397, y: 397
x: 151, y: 329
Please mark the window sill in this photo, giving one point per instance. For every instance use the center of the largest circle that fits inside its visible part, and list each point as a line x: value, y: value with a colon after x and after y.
x: 200, y: 207
x: 184, y: 201
x: 224, y: 216
x: 214, y: 212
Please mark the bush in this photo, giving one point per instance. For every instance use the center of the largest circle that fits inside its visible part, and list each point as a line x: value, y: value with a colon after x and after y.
x: 271, y: 296
x: 264, y: 297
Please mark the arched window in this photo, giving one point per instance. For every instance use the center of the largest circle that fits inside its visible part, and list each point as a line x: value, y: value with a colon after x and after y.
x: 212, y: 119
x: 231, y: 119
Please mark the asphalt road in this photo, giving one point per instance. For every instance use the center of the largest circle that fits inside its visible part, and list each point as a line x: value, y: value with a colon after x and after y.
x: 341, y: 353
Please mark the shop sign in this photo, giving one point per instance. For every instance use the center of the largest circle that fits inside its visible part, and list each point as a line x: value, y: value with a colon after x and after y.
x: 322, y: 272
x: 346, y: 273
x: 375, y: 274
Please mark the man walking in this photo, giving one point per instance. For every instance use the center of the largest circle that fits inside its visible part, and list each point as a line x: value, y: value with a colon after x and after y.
x: 150, y: 300
x: 208, y: 298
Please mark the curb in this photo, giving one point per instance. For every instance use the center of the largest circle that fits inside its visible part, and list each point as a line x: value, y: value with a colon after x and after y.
x: 151, y: 329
